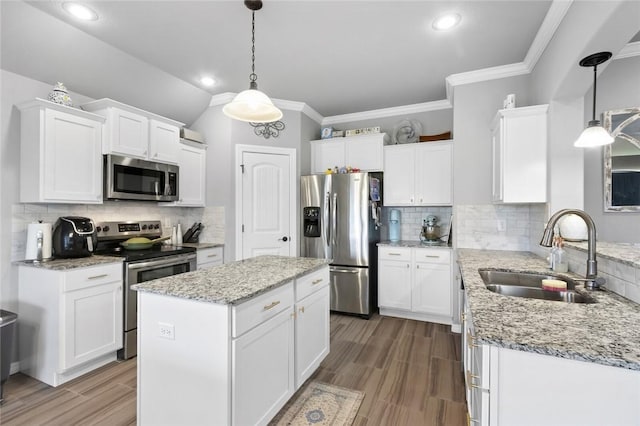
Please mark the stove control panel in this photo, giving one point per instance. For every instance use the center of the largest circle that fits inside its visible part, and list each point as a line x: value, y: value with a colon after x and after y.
x: 128, y: 229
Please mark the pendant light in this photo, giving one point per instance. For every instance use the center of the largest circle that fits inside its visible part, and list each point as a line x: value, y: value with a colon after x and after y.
x: 252, y: 105
x: 594, y: 134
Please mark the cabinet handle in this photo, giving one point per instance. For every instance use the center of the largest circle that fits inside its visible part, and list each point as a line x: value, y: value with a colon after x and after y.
x: 463, y: 315
x: 301, y: 309
x: 293, y: 315
x: 213, y: 255
x: 271, y: 305
x: 420, y: 199
x: 145, y: 152
x: 471, y: 378
x: 472, y: 420
x: 318, y: 281
x: 95, y: 277
x: 411, y: 200
x: 395, y: 254
x: 408, y: 266
x: 417, y: 266
x: 471, y: 341
x: 432, y: 256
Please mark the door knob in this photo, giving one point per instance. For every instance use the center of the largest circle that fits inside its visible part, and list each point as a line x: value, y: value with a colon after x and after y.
x: 285, y: 239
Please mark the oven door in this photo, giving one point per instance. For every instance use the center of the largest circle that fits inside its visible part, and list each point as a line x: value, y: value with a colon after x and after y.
x: 147, y: 270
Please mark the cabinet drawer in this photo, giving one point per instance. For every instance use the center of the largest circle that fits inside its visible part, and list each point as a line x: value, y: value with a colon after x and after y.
x: 247, y: 315
x: 312, y: 282
x: 428, y: 255
x: 92, y: 276
x: 209, y: 255
x: 394, y: 253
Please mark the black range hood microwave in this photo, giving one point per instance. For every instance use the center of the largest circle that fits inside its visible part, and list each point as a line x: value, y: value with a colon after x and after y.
x: 134, y: 179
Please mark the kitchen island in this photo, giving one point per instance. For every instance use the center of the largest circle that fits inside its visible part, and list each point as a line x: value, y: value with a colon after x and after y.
x: 230, y: 344
x: 581, y: 362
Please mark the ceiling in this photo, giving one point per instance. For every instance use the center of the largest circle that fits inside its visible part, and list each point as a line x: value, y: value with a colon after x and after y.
x: 338, y: 57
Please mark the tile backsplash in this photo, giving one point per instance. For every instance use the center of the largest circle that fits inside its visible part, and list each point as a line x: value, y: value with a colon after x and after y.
x: 211, y: 217
x: 411, y: 219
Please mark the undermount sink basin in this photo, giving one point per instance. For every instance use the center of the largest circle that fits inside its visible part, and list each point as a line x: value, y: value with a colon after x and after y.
x: 526, y: 284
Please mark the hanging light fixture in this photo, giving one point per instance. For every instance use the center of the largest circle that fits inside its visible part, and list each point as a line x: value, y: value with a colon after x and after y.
x: 594, y: 134
x: 252, y: 105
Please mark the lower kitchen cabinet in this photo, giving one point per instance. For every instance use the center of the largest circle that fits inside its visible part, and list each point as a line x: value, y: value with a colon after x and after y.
x: 70, y: 320
x: 512, y: 387
x: 415, y: 283
x: 210, y: 257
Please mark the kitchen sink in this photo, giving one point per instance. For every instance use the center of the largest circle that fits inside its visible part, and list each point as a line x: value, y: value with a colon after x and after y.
x: 529, y: 285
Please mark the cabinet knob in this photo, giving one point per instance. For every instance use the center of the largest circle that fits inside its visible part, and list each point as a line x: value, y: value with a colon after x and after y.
x: 301, y: 309
x: 408, y: 266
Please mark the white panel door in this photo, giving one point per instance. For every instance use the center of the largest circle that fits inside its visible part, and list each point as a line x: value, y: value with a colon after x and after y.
x: 399, y: 166
x: 129, y: 134
x: 266, y: 188
x: 312, y: 333
x: 394, y: 284
x: 192, y: 176
x: 164, y: 140
x: 433, y: 182
x: 327, y: 154
x: 432, y: 289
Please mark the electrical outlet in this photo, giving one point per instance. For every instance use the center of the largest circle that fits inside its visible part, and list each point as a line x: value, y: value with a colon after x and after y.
x: 166, y: 331
x: 501, y: 225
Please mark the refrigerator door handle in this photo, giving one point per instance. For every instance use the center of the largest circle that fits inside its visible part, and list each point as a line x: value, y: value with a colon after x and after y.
x: 325, y: 226
x: 334, y: 220
x: 343, y: 270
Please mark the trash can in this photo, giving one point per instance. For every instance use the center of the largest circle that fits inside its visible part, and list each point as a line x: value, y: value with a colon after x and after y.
x: 7, y: 327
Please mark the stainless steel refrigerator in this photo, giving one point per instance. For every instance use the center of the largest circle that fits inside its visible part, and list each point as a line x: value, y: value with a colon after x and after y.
x: 341, y: 223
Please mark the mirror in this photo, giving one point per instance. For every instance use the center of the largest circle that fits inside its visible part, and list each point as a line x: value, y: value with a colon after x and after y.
x: 622, y: 161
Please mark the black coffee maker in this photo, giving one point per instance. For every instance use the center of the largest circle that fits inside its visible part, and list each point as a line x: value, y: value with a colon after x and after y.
x: 73, y: 236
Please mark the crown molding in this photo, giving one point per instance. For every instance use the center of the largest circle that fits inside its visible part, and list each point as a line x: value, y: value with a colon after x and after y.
x: 388, y: 112
x: 224, y: 98
x: 550, y: 24
x: 630, y: 50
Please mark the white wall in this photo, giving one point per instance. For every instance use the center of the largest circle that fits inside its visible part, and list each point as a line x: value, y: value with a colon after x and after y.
x: 618, y: 87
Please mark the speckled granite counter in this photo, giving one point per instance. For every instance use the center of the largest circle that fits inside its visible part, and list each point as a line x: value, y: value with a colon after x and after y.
x: 621, y: 252
x: 606, y: 332
x: 412, y: 243
x: 65, y: 264
x: 202, y: 246
x: 235, y: 282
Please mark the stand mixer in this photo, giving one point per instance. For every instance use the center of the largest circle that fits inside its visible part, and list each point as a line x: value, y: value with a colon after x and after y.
x: 430, y: 230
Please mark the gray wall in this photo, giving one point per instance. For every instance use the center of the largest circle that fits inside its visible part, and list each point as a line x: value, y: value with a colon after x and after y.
x: 618, y: 87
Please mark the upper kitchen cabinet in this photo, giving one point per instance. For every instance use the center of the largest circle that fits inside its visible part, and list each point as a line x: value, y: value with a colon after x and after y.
x: 364, y: 152
x: 520, y: 155
x: 193, y: 162
x: 418, y: 174
x: 60, y: 154
x: 136, y: 133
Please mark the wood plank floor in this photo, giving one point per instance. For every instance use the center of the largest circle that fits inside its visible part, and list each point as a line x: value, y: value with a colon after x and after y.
x: 410, y: 373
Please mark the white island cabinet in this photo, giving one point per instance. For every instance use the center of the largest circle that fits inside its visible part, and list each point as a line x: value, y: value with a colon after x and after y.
x: 221, y: 346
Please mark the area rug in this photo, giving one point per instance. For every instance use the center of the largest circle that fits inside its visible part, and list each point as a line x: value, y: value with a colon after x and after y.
x: 320, y: 404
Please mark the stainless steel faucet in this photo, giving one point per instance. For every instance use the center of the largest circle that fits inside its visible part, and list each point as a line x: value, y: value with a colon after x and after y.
x: 592, y: 281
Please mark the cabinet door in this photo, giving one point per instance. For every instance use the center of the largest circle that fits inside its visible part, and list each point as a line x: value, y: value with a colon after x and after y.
x: 129, y: 134
x: 432, y: 289
x: 433, y: 174
x: 496, y: 140
x: 394, y: 284
x: 192, y: 176
x: 263, y: 370
x: 164, y: 142
x: 208, y: 258
x: 72, y: 163
x: 327, y: 154
x: 399, y: 171
x: 92, y: 323
x: 312, y: 333
x: 364, y: 152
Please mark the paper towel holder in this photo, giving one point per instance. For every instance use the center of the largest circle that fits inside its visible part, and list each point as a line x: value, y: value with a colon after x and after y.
x: 40, y: 238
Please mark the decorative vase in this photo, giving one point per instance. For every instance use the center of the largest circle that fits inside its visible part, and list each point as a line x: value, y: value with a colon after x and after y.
x: 60, y: 95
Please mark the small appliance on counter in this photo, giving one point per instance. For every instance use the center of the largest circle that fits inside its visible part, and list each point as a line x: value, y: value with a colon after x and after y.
x: 430, y: 230
x: 394, y: 225
x: 39, y: 237
x: 73, y: 236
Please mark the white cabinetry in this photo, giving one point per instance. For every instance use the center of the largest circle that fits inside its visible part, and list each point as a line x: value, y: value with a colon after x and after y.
x: 70, y: 321
x: 312, y: 323
x: 364, y: 152
x: 136, y: 133
x: 519, y: 138
x: 193, y: 163
x: 415, y: 283
x: 502, y: 384
x: 418, y: 174
x: 238, y: 364
x: 60, y: 154
x: 209, y: 257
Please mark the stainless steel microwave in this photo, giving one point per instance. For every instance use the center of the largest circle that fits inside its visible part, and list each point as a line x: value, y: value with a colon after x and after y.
x: 133, y: 179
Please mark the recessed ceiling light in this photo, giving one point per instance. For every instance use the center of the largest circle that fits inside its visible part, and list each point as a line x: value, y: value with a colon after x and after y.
x: 446, y: 22
x: 80, y: 11
x: 207, y: 81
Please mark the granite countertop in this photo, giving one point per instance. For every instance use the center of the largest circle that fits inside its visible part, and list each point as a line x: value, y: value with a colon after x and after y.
x: 202, y: 246
x: 235, y: 282
x: 413, y: 243
x: 66, y: 264
x: 606, y: 332
x: 621, y: 252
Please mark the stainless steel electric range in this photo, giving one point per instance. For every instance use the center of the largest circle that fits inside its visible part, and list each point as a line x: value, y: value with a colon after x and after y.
x: 159, y: 261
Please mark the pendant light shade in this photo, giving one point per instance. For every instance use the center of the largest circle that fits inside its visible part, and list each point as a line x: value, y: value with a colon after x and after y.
x: 252, y: 105
x: 594, y: 134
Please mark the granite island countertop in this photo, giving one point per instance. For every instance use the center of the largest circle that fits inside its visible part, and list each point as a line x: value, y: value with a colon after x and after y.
x: 71, y: 263
x: 606, y: 332
x: 235, y: 282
